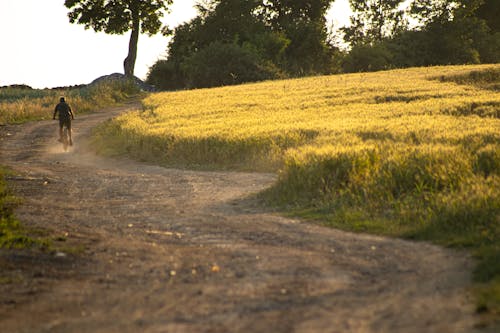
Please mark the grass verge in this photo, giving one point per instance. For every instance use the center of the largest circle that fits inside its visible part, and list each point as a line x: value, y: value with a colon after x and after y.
x: 420, y: 195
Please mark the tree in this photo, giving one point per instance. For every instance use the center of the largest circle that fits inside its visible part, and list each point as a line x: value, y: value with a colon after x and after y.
x: 374, y: 20
x: 292, y: 34
x: 283, y: 13
x: 227, y: 21
x: 166, y: 75
x: 428, y: 11
x: 221, y: 64
x: 367, y: 58
x: 442, y: 32
x: 304, y: 24
x: 235, y: 41
x: 118, y: 17
x: 460, y: 31
x: 489, y: 11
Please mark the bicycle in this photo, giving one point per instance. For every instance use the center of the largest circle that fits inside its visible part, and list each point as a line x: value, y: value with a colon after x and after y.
x: 65, y: 116
x: 65, y: 138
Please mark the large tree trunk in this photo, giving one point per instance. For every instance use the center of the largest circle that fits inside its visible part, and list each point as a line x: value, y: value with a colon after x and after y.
x: 129, y: 62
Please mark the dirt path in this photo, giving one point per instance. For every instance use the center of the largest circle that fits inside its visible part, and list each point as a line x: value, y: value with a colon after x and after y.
x: 166, y: 250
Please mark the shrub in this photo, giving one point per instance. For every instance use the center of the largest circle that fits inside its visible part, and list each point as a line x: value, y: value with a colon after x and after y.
x: 222, y: 64
x: 367, y: 58
x: 166, y: 75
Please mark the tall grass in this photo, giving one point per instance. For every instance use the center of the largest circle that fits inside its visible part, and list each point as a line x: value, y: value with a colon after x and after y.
x: 19, y: 105
x: 412, y: 153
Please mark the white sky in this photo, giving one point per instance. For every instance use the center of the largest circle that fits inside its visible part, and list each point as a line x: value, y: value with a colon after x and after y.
x: 40, y: 48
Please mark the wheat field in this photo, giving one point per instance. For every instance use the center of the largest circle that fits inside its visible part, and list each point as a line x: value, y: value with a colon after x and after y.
x: 268, y: 125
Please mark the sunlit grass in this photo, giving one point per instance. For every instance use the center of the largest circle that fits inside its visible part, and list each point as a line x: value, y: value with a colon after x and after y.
x: 20, y: 105
x: 413, y: 153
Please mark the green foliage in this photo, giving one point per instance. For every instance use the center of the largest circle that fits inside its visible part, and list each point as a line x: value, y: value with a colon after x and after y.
x: 367, y: 58
x: 308, y: 52
x: 303, y: 23
x: 444, y: 32
x: 427, y: 11
x: 166, y: 75
x: 258, y: 40
x: 222, y: 64
x: 489, y: 11
x: 452, y: 42
x: 118, y: 17
x: 374, y: 20
x: 461, y: 41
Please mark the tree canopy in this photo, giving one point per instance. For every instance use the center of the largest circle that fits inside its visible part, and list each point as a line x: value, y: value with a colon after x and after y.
x: 118, y: 17
x: 230, y: 38
x: 374, y: 20
x: 442, y: 32
x: 235, y: 41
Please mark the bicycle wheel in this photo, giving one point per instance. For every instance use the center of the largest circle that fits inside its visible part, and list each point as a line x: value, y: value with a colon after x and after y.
x: 65, y: 138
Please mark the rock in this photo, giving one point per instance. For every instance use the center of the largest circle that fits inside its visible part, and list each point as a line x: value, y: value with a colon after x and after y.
x: 121, y: 77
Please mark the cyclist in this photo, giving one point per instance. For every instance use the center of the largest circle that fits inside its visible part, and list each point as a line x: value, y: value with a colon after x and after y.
x: 65, y: 116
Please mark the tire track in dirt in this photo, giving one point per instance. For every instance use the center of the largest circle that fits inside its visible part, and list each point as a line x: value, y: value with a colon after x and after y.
x: 167, y: 250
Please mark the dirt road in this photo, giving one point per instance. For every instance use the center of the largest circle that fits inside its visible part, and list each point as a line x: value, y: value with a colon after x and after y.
x: 160, y: 250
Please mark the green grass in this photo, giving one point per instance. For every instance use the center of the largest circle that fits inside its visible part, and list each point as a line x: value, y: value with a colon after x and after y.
x: 466, y: 217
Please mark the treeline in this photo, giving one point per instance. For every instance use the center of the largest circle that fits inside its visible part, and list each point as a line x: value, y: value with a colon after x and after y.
x: 237, y: 41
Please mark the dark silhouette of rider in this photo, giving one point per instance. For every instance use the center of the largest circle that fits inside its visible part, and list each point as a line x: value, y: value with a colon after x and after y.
x: 65, y: 116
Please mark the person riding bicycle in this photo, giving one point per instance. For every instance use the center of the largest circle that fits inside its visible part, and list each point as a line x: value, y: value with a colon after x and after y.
x: 65, y: 116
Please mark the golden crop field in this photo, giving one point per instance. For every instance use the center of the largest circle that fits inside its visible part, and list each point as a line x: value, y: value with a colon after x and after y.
x: 268, y: 125
x: 412, y: 152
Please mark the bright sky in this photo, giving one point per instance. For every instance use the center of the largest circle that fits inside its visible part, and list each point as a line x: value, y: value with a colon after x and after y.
x: 42, y: 49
